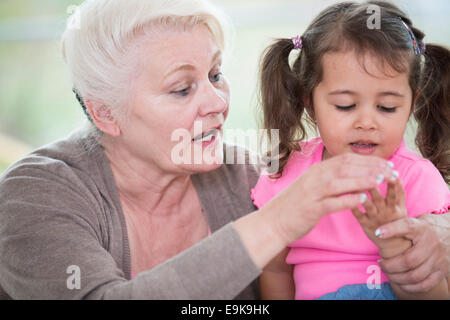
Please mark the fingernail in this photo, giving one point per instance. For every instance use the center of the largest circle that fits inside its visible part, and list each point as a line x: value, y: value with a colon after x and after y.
x: 380, y: 178
x: 390, y: 164
x: 378, y: 233
x: 362, y: 197
x: 394, y: 175
x: 378, y: 261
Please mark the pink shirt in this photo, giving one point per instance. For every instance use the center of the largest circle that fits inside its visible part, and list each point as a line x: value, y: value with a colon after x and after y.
x: 337, y: 252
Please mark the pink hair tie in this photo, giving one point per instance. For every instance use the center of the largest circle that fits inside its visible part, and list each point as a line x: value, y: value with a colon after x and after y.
x: 298, y: 42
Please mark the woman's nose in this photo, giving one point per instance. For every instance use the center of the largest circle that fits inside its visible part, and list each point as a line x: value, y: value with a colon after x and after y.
x: 213, y: 100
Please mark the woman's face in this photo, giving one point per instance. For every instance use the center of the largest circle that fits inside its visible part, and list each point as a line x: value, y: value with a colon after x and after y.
x: 179, y: 102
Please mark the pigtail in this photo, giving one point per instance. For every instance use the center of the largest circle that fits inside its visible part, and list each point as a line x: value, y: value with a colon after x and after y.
x: 281, y: 97
x: 433, y: 109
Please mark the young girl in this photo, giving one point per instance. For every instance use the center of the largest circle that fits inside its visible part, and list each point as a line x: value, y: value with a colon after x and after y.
x: 358, y: 85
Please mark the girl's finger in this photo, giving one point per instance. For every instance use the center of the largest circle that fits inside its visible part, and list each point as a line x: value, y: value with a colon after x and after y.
x: 401, y: 197
x: 377, y: 199
x: 371, y: 209
x: 391, y: 194
x: 359, y: 215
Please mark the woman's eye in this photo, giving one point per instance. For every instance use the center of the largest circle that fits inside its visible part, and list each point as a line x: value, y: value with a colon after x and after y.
x: 345, y: 108
x: 385, y: 109
x: 183, y: 92
x: 216, y: 77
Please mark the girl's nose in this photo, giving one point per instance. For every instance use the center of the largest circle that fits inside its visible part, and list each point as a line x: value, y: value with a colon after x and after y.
x: 365, y: 119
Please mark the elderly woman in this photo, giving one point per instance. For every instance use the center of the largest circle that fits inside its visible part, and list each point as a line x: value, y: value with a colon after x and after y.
x: 110, y: 213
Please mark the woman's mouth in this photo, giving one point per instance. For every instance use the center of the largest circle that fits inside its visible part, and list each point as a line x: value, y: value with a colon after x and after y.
x: 207, y: 137
x: 363, y: 147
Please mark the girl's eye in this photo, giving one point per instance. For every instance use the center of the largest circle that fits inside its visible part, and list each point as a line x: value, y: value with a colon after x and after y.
x: 385, y: 109
x: 216, y: 77
x: 345, y: 108
x: 182, y: 93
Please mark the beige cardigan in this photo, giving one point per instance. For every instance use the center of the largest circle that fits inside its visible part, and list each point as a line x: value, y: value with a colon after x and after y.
x: 59, y: 207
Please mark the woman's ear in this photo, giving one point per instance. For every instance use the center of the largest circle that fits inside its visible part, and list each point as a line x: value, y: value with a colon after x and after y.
x: 103, y: 118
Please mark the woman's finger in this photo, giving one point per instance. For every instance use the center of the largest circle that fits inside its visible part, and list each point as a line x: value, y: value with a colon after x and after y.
x: 334, y: 204
x: 350, y: 159
x: 407, y: 275
x: 395, y: 265
x: 341, y: 186
x: 415, y: 264
x: 426, y: 256
x: 353, y: 165
x: 347, y: 173
x: 426, y: 285
x: 406, y: 227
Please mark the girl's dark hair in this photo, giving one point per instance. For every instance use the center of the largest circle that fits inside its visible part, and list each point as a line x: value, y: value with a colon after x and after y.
x: 287, y: 92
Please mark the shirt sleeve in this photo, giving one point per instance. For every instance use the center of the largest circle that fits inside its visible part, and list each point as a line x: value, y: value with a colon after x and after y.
x: 49, y: 236
x: 426, y: 190
x: 261, y: 193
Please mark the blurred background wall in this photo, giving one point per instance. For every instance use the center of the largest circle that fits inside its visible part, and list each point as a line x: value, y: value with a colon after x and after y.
x: 37, y: 105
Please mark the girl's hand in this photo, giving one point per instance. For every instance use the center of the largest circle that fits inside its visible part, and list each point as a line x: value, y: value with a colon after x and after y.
x: 380, y: 211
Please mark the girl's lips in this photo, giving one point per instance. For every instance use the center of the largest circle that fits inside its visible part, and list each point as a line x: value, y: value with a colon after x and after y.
x: 363, y: 147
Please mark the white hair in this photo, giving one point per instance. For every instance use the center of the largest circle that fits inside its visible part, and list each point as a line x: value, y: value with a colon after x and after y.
x: 99, y: 41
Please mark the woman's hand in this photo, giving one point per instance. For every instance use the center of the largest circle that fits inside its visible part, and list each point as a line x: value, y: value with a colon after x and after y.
x: 321, y: 189
x: 427, y: 262
x: 296, y: 210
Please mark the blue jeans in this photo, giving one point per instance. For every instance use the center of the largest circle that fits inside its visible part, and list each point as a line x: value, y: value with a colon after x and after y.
x: 361, y: 292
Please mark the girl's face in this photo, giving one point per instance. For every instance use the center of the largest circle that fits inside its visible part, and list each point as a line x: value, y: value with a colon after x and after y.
x: 361, y: 111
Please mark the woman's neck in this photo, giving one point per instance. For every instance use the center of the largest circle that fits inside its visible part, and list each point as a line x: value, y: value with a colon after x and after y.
x: 146, y: 188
